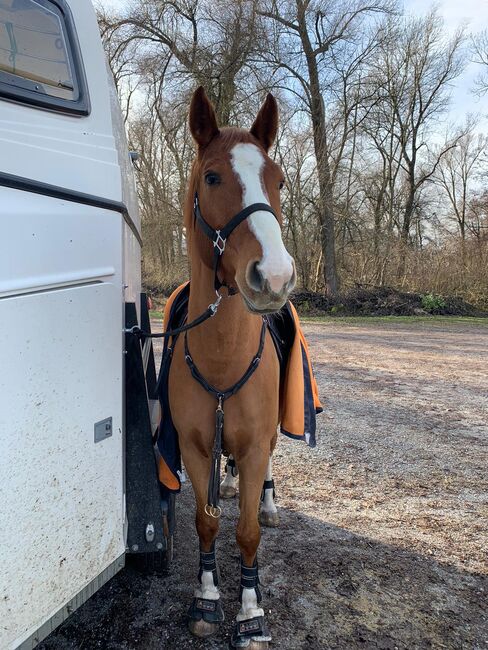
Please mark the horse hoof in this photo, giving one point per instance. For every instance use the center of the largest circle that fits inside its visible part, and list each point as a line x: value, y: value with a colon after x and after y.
x: 227, y: 491
x: 269, y: 519
x: 202, y: 629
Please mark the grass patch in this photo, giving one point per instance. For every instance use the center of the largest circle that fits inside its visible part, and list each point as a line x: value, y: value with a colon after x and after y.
x: 428, y: 320
x: 371, y: 320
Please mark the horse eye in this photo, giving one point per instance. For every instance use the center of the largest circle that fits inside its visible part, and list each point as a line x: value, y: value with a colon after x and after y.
x: 282, y: 185
x: 211, y: 178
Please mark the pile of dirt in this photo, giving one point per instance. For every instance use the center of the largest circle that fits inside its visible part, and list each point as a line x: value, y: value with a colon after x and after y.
x: 381, y: 301
x: 360, y: 301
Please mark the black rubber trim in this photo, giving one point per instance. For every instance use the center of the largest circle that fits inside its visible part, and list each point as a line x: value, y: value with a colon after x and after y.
x: 19, y: 89
x: 45, y: 189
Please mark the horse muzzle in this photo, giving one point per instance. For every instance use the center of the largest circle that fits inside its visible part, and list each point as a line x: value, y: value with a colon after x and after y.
x: 265, y: 294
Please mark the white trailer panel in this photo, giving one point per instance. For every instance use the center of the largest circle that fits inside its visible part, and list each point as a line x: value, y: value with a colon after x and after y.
x: 62, y: 496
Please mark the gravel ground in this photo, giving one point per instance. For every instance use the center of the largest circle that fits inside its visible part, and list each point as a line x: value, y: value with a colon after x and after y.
x: 382, y: 541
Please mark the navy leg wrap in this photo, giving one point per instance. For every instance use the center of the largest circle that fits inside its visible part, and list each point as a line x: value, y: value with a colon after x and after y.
x: 231, y: 466
x: 250, y: 580
x: 202, y: 608
x: 209, y: 563
x: 268, y: 485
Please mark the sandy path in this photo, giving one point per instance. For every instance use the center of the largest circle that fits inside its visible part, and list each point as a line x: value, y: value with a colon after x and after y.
x: 382, y: 542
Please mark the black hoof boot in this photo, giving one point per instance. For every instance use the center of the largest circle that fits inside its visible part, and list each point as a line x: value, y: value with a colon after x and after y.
x: 205, y: 616
x: 252, y: 634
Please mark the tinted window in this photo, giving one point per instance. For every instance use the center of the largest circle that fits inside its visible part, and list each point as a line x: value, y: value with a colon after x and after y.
x: 39, y: 58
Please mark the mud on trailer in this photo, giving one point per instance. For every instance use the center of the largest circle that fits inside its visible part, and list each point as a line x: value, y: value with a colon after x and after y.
x: 78, y: 482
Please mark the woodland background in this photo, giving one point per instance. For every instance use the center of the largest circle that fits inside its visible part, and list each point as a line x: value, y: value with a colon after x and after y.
x: 383, y: 190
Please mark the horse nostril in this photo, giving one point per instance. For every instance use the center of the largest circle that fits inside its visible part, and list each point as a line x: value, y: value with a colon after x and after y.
x: 254, y: 277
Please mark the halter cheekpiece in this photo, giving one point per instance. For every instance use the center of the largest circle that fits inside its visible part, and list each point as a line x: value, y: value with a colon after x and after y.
x: 219, y: 237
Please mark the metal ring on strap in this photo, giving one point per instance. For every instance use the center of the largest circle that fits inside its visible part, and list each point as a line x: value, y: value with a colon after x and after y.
x: 213, y: 511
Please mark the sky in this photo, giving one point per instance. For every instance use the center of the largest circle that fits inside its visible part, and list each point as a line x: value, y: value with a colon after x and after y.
x: 473, y: 14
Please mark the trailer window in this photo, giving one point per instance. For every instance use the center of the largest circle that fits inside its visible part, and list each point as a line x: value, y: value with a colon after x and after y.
x: 39, y: 57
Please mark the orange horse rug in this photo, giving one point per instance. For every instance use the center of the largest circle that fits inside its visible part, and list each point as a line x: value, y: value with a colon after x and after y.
x: 299, y: 399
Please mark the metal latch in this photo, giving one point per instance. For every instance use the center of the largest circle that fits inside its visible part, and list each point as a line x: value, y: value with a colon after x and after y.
x: 103, y: 429
x: 150, y: 532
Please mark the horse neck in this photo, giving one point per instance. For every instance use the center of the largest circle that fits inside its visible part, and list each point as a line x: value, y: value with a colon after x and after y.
x: 229, y: 339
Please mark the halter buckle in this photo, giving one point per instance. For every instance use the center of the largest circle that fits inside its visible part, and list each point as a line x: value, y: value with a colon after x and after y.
x: 219, y: 242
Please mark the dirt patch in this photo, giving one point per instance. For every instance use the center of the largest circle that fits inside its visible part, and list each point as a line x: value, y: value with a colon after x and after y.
x: 382, y: 542
x: 382, y: 301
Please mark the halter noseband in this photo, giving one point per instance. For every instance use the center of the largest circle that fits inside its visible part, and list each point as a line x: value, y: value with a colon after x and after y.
x: 219, y: 237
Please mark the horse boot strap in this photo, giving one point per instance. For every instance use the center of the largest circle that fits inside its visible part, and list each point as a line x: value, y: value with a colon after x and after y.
x: 208, y: 563
x: 267, y: 485
x: 209, y: 610
x: 251, y: 629
x: 250, y: 580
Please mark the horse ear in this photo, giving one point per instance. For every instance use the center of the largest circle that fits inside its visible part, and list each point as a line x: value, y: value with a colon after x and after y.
x: 203, y: 123
x: 265, y: 125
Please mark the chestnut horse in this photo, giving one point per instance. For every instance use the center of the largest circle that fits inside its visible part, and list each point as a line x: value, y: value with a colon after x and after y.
x: 232, y: 171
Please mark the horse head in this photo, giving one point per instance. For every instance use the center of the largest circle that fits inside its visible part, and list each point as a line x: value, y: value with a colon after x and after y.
x: 231, y: 172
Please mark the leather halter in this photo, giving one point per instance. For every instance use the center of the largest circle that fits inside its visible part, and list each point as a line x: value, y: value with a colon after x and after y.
x: 219, y: 237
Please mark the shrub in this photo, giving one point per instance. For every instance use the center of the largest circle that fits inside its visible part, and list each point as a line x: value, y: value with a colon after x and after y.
x: 433, y: 303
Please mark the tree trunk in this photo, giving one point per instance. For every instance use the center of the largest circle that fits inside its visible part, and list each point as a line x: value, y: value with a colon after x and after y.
x: 326, y: 212
x: 405, y: 229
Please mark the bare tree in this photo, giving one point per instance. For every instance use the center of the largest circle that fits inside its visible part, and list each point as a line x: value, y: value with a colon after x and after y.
x: 417, y: 67
x: 457, y: 175
x: 306, y: 33
x: 480, y: 49
x: 203, y: 46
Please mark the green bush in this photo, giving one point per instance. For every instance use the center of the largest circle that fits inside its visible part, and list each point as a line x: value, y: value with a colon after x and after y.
x: 433, y: 303
x: 336, y: 309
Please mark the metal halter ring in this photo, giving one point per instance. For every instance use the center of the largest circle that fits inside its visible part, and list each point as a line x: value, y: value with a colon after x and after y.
x: 213, y: 511
x: 219, y: 242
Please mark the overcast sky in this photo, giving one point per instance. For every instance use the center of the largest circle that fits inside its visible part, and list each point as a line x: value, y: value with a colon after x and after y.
x: 473, y: 13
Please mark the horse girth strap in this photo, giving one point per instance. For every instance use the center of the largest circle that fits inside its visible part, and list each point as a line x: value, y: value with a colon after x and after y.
x: 212, y: 507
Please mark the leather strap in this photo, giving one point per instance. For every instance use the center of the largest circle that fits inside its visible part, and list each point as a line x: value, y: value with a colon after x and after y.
x: 232, y: 390
x: 219, y: 237
x: 212, y: 508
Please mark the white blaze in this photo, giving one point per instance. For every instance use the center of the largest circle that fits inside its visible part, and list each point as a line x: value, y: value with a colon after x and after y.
x: 276, y: 265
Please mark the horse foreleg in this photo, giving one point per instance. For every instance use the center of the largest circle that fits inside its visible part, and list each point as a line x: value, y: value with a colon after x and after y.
x: 205, y: 613
x: 250, y: 629
x: 228, y: 487
x: 268, y: 515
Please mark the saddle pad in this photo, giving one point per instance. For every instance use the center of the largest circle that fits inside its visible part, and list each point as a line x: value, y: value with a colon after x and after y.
x: 299, y: 400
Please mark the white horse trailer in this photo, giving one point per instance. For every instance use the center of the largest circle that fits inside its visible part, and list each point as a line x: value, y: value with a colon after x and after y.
x: 78, y: 484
